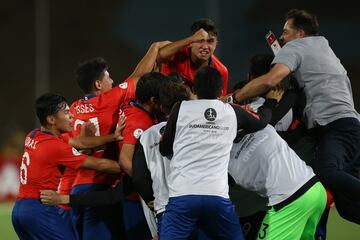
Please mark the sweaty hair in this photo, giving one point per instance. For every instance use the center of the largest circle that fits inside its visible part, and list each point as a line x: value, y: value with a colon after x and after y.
x: 207, y: 24
x: 171, y: 93
x: 89, y: 71
x: 149, y: 86
x: 304, y: 20
x: 260, y: 64
x: 208, y: 83
x: 49, y: 104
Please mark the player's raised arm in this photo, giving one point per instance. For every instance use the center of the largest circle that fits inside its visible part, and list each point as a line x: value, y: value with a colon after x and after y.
x: 148, y: 62
x: 170, y: 50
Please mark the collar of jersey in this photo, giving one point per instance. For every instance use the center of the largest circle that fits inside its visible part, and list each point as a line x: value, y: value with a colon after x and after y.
x: 135, y: 103
x: 89, y: 96
x: 38, y: 129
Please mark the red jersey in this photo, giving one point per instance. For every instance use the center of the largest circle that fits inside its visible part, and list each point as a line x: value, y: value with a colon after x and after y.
x: 44, y: 159
x: 103, y: 112
x: 181, y: 63
x: 137, y: 121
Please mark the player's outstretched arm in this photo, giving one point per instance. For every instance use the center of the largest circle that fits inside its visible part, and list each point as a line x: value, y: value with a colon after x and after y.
x: 262, y: 84
x: 87, y: 138
x: 101, y: 165
x: 170, y: 50
x: 100, y: 198
x: 148, y: 62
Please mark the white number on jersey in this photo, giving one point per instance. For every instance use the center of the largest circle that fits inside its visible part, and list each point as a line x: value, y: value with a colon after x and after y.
x: 23, y: 168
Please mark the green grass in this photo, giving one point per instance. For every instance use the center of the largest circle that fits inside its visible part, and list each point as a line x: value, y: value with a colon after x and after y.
x: 338, y: 228
x: 6, y: 229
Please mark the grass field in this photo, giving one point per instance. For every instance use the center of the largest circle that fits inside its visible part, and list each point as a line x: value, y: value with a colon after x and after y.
x: 338, y: 229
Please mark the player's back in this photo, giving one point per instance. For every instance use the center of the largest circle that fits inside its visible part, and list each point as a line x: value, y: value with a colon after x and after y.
x: 44, y: 157
x: 103, y: 112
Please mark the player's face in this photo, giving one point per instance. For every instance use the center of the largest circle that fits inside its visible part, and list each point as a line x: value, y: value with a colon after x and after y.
x: 106, y: 82
x: 204, y: 49
x: 289, y: 32
x: 63, y: 119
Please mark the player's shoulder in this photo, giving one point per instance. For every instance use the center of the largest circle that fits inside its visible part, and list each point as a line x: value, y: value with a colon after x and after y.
x: 218, y: 65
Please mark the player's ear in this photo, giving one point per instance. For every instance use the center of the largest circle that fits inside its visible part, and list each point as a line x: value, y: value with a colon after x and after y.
x: 153, y: 100
x: 51, y: 119
x: 301, y: 33
x: 97, y: 85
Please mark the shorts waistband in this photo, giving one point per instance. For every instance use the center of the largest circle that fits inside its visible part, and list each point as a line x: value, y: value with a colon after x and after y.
x: 297, y: 194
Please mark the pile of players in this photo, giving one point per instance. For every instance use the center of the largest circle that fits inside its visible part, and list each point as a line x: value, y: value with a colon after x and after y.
x: 154, y: 156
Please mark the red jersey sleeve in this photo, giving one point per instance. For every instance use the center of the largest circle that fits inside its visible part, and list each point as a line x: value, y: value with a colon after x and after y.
x: 225, y: 76
x: 68, y: 156
x: 120, y: 93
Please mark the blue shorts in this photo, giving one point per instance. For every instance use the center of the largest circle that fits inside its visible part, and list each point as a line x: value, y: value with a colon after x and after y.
x: 94, y: 223
x: 67, y: 216
x: 33, y: 220
x: 134, y: 220
x: 214, y: 215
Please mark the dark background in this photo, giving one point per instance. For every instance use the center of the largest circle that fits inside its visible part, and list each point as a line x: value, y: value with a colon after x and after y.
x: 42, y: 41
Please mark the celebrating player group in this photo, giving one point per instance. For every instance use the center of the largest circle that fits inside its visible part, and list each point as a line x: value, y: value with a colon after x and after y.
x: 172, y: 153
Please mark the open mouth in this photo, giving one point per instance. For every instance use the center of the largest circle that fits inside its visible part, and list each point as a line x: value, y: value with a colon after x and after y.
x: 204, y: 53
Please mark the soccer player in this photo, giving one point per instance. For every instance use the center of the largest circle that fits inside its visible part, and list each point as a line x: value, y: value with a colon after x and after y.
x: 329, y: 110
x: 45, y: 156
x: 188, y: 55
x: 264, y: 163
x: 150, y: 169
x: 140, y: 115
x: 199, y: 134
x: 100, y: 105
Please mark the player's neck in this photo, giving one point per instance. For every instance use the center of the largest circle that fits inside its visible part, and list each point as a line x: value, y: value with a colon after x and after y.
x: 147, y: 107
x: 51, y: 130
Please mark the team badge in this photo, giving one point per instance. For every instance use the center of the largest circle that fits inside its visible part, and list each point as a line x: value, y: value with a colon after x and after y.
x: 123, y: 85
x: 210, y: 114
x: 75, y: 152
x: 138, y: 132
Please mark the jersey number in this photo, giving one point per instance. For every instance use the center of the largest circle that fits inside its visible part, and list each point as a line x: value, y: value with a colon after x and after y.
x: 93, y: 120
x: 23, y: 168
x: 265, y: 226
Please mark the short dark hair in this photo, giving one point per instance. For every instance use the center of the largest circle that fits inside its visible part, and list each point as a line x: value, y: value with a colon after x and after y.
x: 149, y: 86
x: 49, y: 104
x: 304, y: 20
x: 260, y: 64
x: 171, y: 93
x: 205, y: 23
x: 208, y: 83
x: 89, y: 71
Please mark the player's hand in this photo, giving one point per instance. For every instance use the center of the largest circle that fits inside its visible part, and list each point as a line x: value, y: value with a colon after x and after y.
x: 227, y: 98
x: 88, y: 129
x: 276, y: 94
x: 248, y: 108
x: 119, y: 127
x: 50, y: 197
x: 199, y: 35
